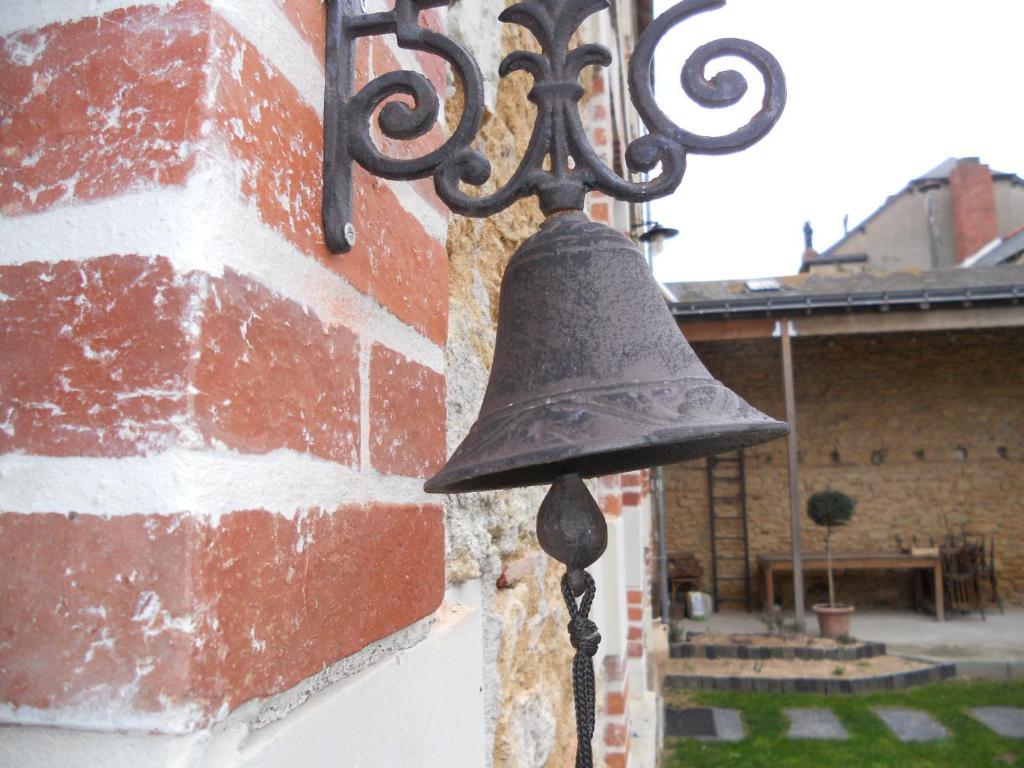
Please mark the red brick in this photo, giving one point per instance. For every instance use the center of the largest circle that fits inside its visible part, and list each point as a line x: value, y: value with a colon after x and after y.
x: 396, y: 262
x: 384, y: 61
x: 151, y: 612
x: 100, y: 106
x: 614, y: 668
x: 615, y: 759
x: 611, y: 505
x: 975, y: 218
x: 600, y: 212
x: 310, y: 20
x: 278, y: 136
x: 95, y: 362
x: 615, y: 735
x: 635, y: 650
x: 434, y: 67
x: 634, y: 597
x: 635, y: 614
x: 270, y: 375
x: 635, y: 633
x: 632, y: 480
x: 96, y: 610
x: 407, y: 415
x: 292, y: 596
x: 615, y: 703
x: 631, y: 498
x: 280, y: 139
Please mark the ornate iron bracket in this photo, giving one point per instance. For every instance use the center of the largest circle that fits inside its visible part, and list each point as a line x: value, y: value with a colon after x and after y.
x: 560, y: 165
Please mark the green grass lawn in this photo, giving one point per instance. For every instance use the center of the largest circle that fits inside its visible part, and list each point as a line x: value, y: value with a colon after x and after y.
x: 870, y: 745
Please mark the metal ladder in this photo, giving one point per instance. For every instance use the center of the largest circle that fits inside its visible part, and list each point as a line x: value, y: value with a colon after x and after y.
x: 727, y: 511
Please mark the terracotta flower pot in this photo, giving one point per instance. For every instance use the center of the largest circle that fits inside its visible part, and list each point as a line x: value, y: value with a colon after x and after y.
x: 834, y: 622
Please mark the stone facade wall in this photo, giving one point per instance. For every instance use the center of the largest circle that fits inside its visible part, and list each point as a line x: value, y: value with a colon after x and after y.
x: 924, y: 431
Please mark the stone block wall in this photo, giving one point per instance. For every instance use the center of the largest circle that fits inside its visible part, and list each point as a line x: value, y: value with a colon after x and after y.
x: 925, y: 431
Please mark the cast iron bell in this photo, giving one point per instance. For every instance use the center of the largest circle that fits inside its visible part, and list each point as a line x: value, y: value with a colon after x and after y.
x: 591, y: 375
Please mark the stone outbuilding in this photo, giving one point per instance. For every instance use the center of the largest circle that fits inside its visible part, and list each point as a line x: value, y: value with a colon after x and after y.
x: 908, y: 383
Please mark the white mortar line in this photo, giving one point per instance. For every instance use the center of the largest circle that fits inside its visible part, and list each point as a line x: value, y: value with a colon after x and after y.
x: 275, y: 38
x: 119, y: 716
x: 22, y: 15
x: 207, y: 484
x: 206, y: 226
x: 412, y: 202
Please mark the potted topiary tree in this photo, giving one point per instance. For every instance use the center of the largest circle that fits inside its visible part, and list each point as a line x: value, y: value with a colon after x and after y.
x: 831, y: 509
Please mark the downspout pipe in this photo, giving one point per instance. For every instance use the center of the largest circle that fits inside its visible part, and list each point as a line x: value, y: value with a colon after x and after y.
x: 659, y: 500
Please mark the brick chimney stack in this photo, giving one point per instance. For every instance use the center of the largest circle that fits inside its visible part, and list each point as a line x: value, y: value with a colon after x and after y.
x: 974, y: 207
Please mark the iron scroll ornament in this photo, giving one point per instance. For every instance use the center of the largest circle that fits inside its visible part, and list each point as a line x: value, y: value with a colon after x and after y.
x: 560, y: 166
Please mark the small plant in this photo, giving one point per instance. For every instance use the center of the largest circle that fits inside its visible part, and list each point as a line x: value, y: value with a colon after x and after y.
x: 675, y: 632
x: 791, y: 628
x: 830, y: 509
x: 847, y: 640
x: 773, y: 622
x: 839, y: 671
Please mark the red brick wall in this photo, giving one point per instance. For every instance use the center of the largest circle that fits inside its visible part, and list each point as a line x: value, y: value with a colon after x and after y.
x: 975, y: 220
x: 214, y: 432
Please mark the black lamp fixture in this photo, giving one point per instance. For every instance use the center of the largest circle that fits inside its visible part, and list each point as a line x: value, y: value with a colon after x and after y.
x: 591, y: 375
x: 654, y: 233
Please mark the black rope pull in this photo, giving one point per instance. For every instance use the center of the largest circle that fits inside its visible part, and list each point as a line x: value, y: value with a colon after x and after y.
x: 585, y: 638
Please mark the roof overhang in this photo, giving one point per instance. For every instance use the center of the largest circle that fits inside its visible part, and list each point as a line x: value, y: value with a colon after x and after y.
x: 853, y: 324
x: 787, y: 304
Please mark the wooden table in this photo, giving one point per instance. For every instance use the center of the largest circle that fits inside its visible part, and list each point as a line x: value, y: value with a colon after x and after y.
x: 861, y: 561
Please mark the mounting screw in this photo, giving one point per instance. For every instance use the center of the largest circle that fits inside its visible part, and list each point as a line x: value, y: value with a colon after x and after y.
x: 350, y: 234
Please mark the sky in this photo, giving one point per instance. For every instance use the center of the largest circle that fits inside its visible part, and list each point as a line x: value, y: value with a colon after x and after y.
x: 880, y: 91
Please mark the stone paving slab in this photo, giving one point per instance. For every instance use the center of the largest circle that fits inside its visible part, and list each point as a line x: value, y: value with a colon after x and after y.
x: 694, y: 722
x: 911, y: 725
x: 729, y: 724
x: 705, y: 723
x: 1006, y: 721
x: 815, y: 723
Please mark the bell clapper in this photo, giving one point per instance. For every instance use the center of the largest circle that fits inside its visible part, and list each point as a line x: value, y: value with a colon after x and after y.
x: 572, y: 529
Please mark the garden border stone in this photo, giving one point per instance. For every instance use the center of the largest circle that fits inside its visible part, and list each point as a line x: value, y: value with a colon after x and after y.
x: 688, y: 650
x: 830, y: 686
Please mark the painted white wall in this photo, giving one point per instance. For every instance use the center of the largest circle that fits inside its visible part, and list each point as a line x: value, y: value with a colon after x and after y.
x: 418, y: 708
x: 609, y: 611
x: 632, y: 517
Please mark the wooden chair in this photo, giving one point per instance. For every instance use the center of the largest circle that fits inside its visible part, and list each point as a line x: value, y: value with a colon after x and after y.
x: 684, y: 574
x: 988, y: 569
x: 962, y: 569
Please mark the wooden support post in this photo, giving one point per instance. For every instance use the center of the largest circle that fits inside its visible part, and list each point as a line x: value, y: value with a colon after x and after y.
x: 794, y: 473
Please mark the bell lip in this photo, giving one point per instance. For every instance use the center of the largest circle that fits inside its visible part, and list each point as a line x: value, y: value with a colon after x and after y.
x: 609, y: 460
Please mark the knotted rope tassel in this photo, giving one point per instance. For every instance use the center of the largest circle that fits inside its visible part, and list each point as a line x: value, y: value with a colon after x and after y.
x: 585, y: 638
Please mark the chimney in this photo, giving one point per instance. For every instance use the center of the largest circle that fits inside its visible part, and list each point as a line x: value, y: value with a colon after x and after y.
x: 809, y: 253
x: 974, y: 207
